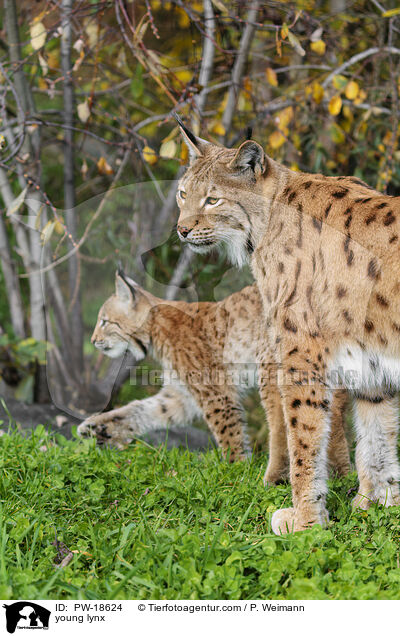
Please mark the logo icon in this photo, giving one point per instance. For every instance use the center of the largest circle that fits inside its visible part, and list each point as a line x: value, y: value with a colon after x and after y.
x: 26, y: 615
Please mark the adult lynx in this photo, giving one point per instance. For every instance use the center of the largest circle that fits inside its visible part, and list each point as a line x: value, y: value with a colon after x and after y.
x: 325, y: 255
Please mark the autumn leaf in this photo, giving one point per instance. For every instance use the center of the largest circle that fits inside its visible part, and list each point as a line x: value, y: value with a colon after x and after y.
x: 17, y: 202
x: 168, y: 149
x: 352, y: 90
x: 317, y: 92
x: 83, y: 111
x: 276, y: 140
x: 59, y: 226
x: 284, y: 117
x: 149, y: 155
x: 339, y: 82
x: 38, y: 35
x: 318, y: 47
x: 335, y: 105
x: 391, y: 12
x: 294, y: 41
x: 217, y: 128
x: 284, y: 31
x: 47, y: 232
x: 184, y: 154
x: 103, y: 167
x: 337, y: 134
x: 271, y: 76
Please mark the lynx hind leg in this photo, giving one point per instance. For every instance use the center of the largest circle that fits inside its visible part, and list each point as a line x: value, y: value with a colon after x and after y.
x: 376, y: 423
x: 226, y: 420
x: 278, y: 461
x: 338, y: 449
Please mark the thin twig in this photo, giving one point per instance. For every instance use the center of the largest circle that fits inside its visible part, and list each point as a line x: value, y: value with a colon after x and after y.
x: 94, y: 218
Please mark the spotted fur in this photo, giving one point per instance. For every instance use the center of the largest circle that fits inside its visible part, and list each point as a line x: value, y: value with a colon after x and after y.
x: 212, y: 355
x: 325, y: 255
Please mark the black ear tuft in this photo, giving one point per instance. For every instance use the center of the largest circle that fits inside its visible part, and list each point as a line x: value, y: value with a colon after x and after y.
x: 187, y: 132
x: 250, y: 156
x: 195, y: 144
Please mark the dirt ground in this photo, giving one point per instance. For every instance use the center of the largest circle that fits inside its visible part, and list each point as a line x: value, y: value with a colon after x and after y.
x: 27, y: 416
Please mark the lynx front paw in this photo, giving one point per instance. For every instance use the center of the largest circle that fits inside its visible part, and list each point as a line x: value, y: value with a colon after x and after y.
x: 113, y: 430
x: 286, y: 520
x: 86, y: 428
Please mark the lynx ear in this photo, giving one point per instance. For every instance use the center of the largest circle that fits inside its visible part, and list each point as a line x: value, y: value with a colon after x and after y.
x: 250, y: 156
x: 195, y: 144
x: 123, y: 289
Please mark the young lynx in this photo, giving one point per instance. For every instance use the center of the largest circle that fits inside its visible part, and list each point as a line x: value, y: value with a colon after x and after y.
x: 325, y: 253
x: 209, y: 351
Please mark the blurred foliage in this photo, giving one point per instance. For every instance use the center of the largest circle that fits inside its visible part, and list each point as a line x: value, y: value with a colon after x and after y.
x: 18, y: 361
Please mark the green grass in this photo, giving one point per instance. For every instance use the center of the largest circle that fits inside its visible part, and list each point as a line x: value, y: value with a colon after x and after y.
x: 149, y: 523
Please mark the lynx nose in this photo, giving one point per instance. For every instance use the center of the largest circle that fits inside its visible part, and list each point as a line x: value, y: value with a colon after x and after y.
x: 184, y: 231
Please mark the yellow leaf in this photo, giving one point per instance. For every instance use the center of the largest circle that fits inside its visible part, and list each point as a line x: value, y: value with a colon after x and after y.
x: 42, y: 84
x: 284, y: 117
x: 247, y: 85
x: 352, y: 90
x: 339, y: 82
x: 92, y: 33
x: 17, y: 202
x: 38, y: 35
x: 272, y: 77
x: 335, y: 105
x: 217, y: 128
x: 284, y: 31
x: 219, y: 5
x: 184, y: 76
x: 184, y: 156
x: 47, y: 232
x: 318, y: 47
x: 183, y: 19
x: 295, y: 42
x: 53, y: 60
x: 276, y: 140
x: 59, y: 226
x: 104, y: 167
x: 347, y: 113
x: 43, y: 64
x: 168, y: 149
x: 149, y: 155
x: 337, y: 134
x: 317, y: 92
x: 391, y: 12
x: 83, y: 111
x: 362, y: 95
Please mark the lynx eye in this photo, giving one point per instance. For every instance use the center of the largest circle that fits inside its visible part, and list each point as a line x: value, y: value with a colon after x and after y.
x: 182, y: 194
x: 102, y: 322
x: 212, y: 200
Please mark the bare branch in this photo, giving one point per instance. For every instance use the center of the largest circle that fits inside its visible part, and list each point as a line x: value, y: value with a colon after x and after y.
x: 357, y: 58
x: 238, y: 67
x: 69, y: 182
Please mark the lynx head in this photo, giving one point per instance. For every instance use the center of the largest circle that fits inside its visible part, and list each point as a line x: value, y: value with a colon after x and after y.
x: 219, y: 194
x: 122, y: 322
